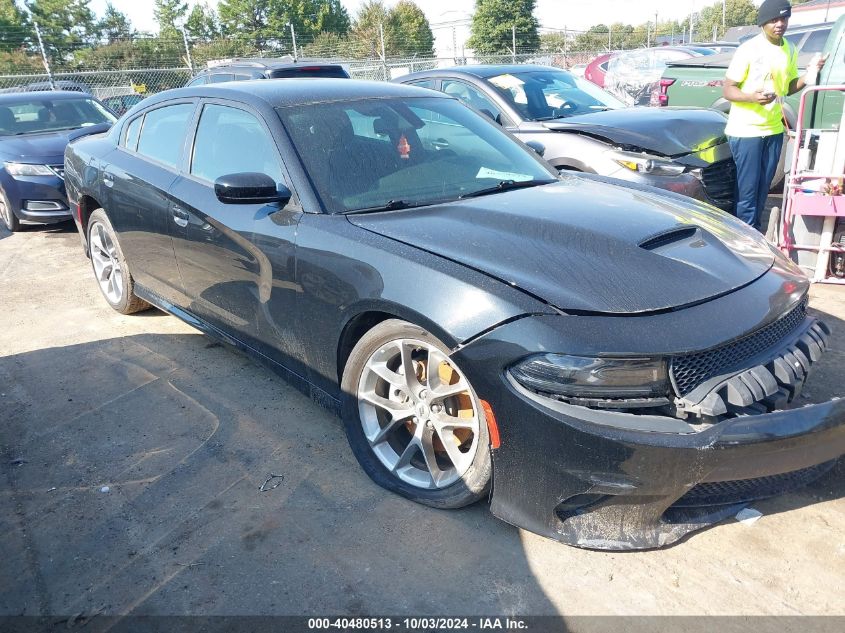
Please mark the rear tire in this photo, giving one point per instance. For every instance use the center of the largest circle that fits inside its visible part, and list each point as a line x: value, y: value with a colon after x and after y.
x: 412, y: 418
x: 10, y: 220
x: 110, y: 267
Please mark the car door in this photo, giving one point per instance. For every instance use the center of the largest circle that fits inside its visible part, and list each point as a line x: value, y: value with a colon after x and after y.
x: 138, y: 177
x: 236, y: 260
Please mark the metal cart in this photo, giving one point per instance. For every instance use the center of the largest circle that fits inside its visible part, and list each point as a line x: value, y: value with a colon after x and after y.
x: 812, y: 227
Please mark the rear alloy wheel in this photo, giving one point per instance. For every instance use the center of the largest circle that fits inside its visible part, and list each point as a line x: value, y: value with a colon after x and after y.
x: 412, y: 418
x: 110, y: 268
x: 9, y: 218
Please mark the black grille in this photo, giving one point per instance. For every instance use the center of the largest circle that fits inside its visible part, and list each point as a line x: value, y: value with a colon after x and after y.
x: 719, y: 181
x: 691, y: 370
x: 744, y: 490
x: 59, y: 169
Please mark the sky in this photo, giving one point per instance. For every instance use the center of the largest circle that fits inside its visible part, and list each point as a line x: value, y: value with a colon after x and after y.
x: 556, y: 14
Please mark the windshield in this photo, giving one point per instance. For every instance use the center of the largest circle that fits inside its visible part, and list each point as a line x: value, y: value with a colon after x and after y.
x: 38, y: 114
x: 402, y: 152
x: 544, y: 95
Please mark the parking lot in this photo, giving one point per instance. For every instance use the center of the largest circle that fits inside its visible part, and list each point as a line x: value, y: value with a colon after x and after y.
x: 134, y: 449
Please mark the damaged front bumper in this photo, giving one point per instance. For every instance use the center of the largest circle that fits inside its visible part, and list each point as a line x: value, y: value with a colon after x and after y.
x: 615, y: 480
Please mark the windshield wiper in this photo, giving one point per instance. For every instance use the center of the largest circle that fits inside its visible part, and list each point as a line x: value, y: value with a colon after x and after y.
x: 390, y: 205
x: 506, y: 185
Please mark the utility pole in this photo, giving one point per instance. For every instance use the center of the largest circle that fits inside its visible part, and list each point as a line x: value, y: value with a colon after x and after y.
x: 724, y: 13
x: 609, y: 33
x: 383, y: 56
x: 513, y: 51
x: 565, y: 38
x: 187, y: 50
x: 455, y: 45
x: 44, y: 57
x: 293, y: 37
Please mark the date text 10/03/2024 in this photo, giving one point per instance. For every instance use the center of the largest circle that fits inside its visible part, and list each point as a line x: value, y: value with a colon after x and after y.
x: 416, y: 624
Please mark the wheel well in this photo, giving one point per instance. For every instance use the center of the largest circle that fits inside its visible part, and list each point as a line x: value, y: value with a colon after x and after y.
x: 352, y: 333
x: 87, y: 206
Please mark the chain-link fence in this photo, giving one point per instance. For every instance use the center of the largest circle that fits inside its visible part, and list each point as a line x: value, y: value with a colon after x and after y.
x: 108, y: 83
x: 101, y: 84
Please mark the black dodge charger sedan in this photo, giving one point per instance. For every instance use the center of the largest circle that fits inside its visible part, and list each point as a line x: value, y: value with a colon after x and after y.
x: 612, y: 364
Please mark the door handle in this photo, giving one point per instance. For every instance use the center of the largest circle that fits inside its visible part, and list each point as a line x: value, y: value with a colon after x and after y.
x: 108, y: 179
x: 180, y: 217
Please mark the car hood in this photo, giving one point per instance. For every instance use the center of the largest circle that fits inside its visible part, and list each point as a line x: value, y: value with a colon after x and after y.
x: 44, y: 146
x: 583, y: 245
x: 666, y: 131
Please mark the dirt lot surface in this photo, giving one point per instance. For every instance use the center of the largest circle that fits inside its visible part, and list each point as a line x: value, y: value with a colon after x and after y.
x: 133, y: 449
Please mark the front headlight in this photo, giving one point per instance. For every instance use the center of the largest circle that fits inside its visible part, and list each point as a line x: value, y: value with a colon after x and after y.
x: 586, y: 377
x: 26, y: 169
x: 645, y: 164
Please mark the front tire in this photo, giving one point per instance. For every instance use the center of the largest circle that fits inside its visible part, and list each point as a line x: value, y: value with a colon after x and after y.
x: 110, y: 267
x: 9, y: 218
x: 412, y: 418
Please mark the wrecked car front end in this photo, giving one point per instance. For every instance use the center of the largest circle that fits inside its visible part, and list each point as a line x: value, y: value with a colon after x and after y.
x: 640, y: 472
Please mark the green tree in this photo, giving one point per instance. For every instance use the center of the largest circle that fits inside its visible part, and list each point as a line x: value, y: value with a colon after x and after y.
x: 247, y: 19
x: 15, y: 29
x: 406, y: 30
x: 366, y: 36
x: 66, y: 25
x: 410, y: 32
x: 331, y: 17
x: 202, y: 23
x: 114, y: 25
x: 493, y: 23
x: 737, y: 13
x: 168, y: 13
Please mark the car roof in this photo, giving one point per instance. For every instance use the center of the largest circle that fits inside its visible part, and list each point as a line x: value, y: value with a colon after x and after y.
x: 296, y: 91
x: 266, y: 63
x: 42, y: 95
x: 482, y: 71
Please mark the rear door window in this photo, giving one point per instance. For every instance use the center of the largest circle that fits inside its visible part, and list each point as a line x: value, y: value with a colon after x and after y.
x: 163, y: 133
x: 220, y: 78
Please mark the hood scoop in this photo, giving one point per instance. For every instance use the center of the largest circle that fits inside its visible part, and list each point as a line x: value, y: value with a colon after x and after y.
x: 666, y: 238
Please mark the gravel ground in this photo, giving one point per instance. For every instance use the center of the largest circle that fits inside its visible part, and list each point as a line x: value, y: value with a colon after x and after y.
x: 133, y: 449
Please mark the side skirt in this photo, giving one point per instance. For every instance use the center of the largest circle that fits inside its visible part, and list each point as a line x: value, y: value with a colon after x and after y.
x: 318, y: 395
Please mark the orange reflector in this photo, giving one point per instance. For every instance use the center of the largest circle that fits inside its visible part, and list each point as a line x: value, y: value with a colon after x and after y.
x: 495, y: 440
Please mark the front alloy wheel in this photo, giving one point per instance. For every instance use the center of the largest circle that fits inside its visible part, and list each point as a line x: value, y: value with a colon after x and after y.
x: 415, y: 424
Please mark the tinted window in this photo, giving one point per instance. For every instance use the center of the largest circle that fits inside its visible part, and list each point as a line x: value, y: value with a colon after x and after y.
x: 423, y: 83
x: 229, y: 141
x: 473, y: 97
x: 418, y: 150
x: 163, y: 133
x: 336, y: 72
x: 196, y: 81
x: 216, y: 79
x: 815, y: 41
x: 130, y: 136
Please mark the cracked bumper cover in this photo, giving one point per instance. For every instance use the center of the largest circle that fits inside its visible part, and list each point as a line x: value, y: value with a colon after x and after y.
x: 612, y: 480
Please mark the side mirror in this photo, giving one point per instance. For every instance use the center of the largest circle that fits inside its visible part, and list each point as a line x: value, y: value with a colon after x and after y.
x: 537, y: 147
x: 250, y: 188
